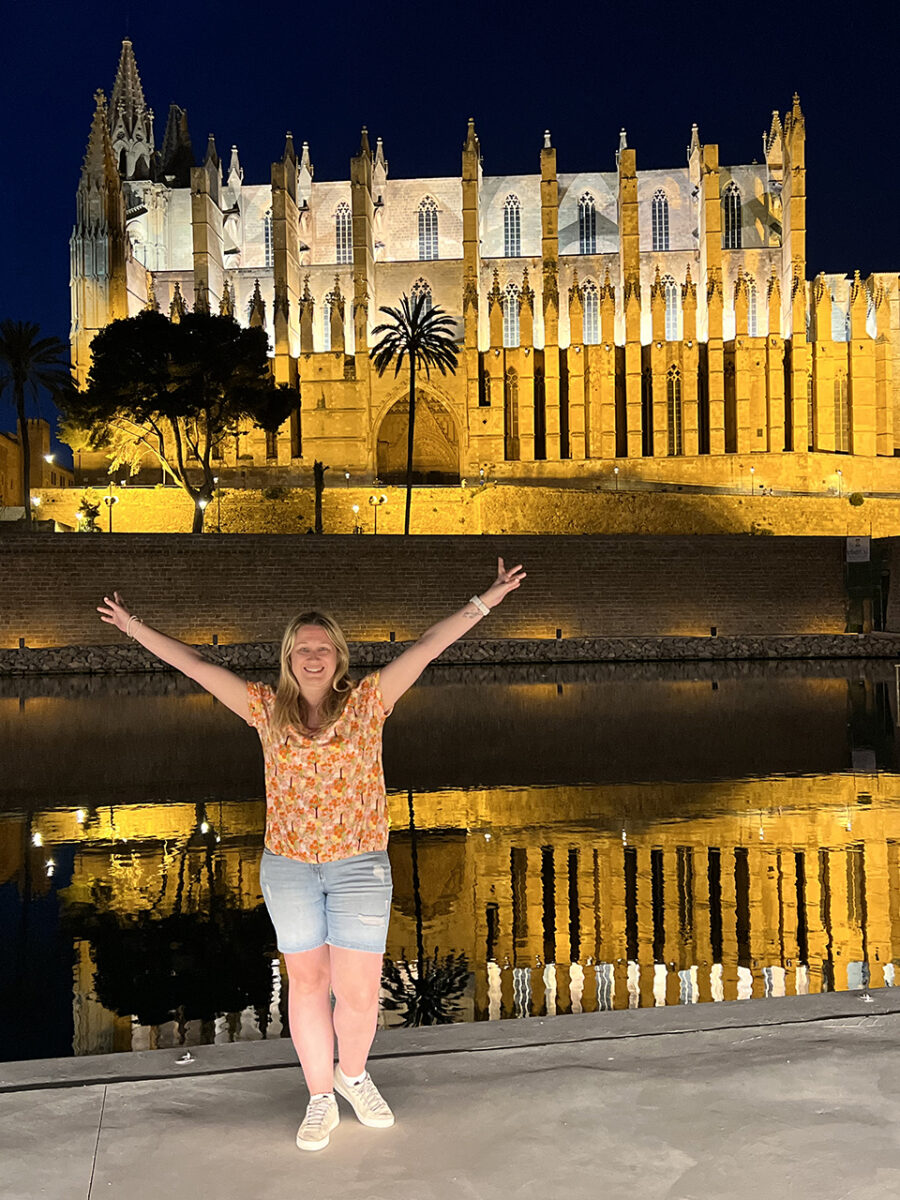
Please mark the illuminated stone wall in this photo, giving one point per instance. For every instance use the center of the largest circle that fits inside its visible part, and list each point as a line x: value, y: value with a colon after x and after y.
x: 246, y: 588
x: 496, y: 508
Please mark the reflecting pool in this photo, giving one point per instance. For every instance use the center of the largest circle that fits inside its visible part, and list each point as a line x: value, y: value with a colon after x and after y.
x: 564, y: 839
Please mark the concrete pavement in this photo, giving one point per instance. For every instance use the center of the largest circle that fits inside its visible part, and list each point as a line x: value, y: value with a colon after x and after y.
x: 798, y: 1097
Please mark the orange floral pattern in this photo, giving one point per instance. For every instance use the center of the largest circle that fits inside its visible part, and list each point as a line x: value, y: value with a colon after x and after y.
x: 325, y: 795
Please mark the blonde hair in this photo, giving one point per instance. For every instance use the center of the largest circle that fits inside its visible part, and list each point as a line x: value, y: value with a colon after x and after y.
x: 290, y: 708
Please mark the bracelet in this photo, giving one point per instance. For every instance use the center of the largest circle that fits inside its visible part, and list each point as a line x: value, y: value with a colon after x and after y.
x: 128, y: 632
x: 480, y: 605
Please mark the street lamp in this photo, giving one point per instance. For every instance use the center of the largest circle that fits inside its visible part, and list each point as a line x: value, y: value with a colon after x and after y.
x: 752, y: 473
x: 346, y: 478
x: 616, y: 475
x: 376, y: 500
x: 109, y: 501
x: 218, y: 504
x: 357, y: 528
x: 840, y: 476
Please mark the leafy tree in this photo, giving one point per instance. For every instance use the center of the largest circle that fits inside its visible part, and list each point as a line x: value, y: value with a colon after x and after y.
x: 176, y: 390
x: 422, y: 336
x: 89, y: 512
x: 27, y: 363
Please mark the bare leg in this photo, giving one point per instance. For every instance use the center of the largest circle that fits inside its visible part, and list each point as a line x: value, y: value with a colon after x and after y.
x: 309, y: 1009
x: 355, y: 980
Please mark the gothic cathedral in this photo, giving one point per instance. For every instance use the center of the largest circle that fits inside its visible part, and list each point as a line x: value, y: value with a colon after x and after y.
x: 657, y: 318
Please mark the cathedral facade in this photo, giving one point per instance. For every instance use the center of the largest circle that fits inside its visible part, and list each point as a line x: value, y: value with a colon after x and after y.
x: 600, y: 317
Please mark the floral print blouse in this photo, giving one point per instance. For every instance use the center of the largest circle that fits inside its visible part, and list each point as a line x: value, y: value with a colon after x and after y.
x: 325, y: 795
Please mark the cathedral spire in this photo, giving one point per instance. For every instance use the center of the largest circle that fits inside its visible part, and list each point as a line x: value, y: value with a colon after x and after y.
x: 177, y: 152
x: 235, y: 170
x: 177, y: 308
x: 290, y: 154
x: 212, y: 158
x: 364, y: 147
x: 130, y: 121
x: 128, y: 93
x: 99, y: 163
x: 471, y: 142
x: 305, y: 160
x: 257, y: 308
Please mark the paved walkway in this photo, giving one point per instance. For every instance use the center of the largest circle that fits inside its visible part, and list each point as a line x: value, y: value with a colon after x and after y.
x: 791, y: 1098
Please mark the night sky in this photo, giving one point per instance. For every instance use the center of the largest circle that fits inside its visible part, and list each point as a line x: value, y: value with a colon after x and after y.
x: 414, y: 72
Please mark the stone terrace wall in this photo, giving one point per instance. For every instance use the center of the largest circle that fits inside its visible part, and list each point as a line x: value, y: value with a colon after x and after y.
x: 244, y: 588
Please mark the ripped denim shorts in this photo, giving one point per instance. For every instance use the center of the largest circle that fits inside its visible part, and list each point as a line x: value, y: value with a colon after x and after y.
x: 346, y: 903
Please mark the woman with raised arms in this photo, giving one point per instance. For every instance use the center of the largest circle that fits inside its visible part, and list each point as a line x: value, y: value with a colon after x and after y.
x: 325, y: 874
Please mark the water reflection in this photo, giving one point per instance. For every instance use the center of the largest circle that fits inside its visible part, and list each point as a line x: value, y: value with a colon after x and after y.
x: 137, y: 922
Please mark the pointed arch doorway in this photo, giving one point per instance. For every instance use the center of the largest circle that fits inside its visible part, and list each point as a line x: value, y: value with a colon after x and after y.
x: 436, y: 449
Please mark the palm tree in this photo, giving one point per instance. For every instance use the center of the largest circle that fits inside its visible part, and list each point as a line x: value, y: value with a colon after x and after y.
x: 29, y: 362
x: 421, y: 334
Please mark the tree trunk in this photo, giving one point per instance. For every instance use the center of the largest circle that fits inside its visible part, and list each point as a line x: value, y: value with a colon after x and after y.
x: 199, y: 513
x: 26, y: 449
x: 319, y: 485
x: 417, y: 887
x: 410, y: 440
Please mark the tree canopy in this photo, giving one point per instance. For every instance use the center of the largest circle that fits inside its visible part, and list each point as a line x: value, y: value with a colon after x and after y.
x: 176, y: 390
x: 28, y: 363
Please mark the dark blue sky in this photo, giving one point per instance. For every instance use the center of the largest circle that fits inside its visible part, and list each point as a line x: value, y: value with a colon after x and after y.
x: 414, y: 73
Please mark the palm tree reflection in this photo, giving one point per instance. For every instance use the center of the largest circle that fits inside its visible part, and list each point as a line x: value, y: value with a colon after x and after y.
x: 426, y: 991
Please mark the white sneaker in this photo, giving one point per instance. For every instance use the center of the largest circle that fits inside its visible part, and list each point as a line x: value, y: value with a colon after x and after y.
x: 321, y: 1117
x: 365, y: 1099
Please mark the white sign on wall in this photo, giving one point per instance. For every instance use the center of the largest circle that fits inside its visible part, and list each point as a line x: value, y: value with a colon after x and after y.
x: 858, y: 549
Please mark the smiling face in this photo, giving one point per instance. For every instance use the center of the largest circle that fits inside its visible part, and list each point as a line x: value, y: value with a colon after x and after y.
x: 313, y: 660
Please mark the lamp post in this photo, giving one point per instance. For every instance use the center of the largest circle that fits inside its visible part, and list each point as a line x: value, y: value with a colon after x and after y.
x: 616, y: 476
x: 346, y: 479
x: 840, y: 476
x: 218, y: 504
x: 752, y: 473
x: 376, y: 500
x: 109, y: 501
x: 357, y: 528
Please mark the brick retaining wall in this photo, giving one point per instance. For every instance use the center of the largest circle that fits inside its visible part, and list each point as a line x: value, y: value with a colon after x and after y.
x: 244, y: 588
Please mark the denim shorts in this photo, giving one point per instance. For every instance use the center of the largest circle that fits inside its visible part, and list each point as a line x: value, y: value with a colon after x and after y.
x: 346, y: 903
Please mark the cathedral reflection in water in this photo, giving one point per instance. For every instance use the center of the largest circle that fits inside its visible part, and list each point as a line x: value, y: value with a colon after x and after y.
x: 140, y: 924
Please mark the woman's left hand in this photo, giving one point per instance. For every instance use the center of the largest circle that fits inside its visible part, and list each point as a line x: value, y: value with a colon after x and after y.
x: 507, y: 581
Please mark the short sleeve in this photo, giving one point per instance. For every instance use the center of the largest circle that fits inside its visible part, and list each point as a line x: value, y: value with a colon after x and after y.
x: 260, y: 699
x: 371, y: 687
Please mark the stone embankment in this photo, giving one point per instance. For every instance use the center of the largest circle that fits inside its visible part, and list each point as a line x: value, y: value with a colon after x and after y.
x: 129, y: 658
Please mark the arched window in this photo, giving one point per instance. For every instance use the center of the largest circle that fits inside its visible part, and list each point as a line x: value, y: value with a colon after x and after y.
x: 512, y: 227
x: 343, y: 233
x: 673, y: 404
x: 428, y: 229
x: 587, y: 224
x: 660, y: 220
x: 671, y: 308
x: 511, y: 415
x: 841, y: 413
x: 591, y: 312
x: 752, y: 322
x: 422, y: 288
x: 731, y: 204
x: 326, y: 321
x: 268, y: 240
x: 511, y: 315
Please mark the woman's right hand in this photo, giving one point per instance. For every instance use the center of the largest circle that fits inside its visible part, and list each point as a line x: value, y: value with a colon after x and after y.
x: 114, y: 611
